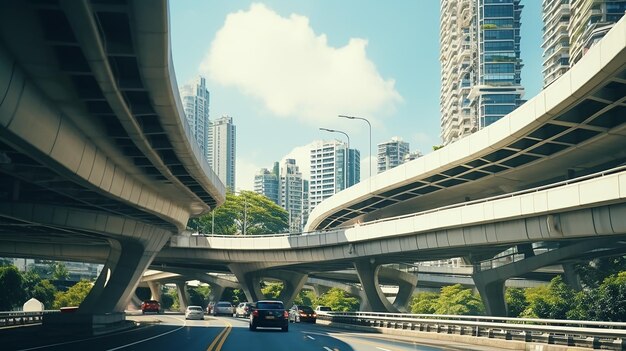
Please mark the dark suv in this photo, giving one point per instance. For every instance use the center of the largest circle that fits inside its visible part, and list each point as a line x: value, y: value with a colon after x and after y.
x: 300, y: 313
x: 268, y: 313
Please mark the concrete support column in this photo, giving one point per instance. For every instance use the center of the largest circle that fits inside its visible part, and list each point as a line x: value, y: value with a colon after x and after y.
x: 492, y: 294
x: 292, y: 284
x: 135, y: 301
x: 155, y: 291
x: 183, y: 301
x: 91, y: 300
x: 367, y: 272
x: 249, y: 281
x: 571, y: 277
x: 406, y: 286
x: 320, y: 289
x: 490, y: 282
x: 127, y: 261
x: 216, y: 292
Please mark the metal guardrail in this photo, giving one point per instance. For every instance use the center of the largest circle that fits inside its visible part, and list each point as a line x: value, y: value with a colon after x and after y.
x: 22, y: 318
x: 590, y: 334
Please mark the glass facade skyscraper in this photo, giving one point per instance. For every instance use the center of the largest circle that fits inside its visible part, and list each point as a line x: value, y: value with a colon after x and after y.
x: 480, y: 64
x: 499, y: 89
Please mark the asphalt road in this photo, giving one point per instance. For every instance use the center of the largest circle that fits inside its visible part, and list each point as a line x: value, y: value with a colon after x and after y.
x: 173, y: 332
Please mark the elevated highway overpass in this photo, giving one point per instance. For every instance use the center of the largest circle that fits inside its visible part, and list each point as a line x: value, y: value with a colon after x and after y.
x: 95, y: 149
x: 112, y: 174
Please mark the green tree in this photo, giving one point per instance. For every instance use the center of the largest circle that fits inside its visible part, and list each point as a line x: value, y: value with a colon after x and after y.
x: 339, y: 300
x: 234, y: 295
x: 198, y: 295
x: 59, y: 271
x: 306, y: 297
x: 552, y: 301
x: 609, y: 300
x: 455, y: 299
x: 11, y: 288
x: 173, y: 295
x: 74, y: 296
x: 515, y: 301
x: 256, y: 212
x: 44, y: 291
x: 166, y: 301
x: 272, y: 290
x: 424, y: 302
x: 594, y: 272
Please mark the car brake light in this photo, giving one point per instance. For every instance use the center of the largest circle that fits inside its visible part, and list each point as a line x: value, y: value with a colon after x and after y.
x: 255, y: 313
x: 285, y: 314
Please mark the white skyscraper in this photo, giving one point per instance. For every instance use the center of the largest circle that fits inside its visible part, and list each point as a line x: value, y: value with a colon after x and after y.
x: 223, y: 142
x: 331, y: 170
x: 391, y: 154
x: 291, y: 194
x: 195, y: 98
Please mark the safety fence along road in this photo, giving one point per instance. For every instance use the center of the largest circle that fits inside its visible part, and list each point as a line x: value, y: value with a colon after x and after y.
x: 596, y: 335
x: 22, y: 318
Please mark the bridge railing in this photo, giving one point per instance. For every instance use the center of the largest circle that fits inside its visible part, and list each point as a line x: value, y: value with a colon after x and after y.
x: 22, y: 318
x: 591, y: 334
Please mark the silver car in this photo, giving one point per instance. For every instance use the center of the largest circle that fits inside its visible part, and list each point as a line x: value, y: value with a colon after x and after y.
x: 194, y: 312
x: 223, y: 307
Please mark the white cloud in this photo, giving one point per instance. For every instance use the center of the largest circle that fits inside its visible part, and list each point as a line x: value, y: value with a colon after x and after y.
x: 302, y: 155
x: 365, y: 164
x: 293, y: 71
x: 245, y: 173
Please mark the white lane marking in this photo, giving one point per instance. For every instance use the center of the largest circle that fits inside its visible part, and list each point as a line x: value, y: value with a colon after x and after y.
x: 154, y: 337
x: 310, y: 337
x: 383, y: 349
x: 327, y: 348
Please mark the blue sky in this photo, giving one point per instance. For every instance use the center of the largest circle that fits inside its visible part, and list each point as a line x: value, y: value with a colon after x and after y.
x: 283, y: 69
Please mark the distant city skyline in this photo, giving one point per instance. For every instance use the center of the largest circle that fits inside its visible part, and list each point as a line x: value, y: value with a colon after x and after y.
x: 388, y: 73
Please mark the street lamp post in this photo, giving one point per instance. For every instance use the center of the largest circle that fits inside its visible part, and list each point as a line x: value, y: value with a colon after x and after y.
x: 370, y: 125
x: 346, y: 157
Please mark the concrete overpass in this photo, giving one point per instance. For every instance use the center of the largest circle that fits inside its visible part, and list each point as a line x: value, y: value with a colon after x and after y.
x: 95, y: 149
x: 573, y: 127
x: 97, y: 78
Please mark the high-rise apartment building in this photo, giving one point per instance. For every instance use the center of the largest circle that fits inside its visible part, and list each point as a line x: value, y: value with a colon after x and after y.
x: 571, y: 27
x: 195, y: 98
x: 556, y: 16
x: 590, y: 20
x: 291, y: 194
x: 334, y: 167
x: 305, y: 202
x: 223, y: 141
x: 480, y: 64
x: 391, y: 154
x: 267, y: 183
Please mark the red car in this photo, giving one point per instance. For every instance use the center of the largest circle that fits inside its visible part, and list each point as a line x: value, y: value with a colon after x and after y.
x: 150, y: 306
